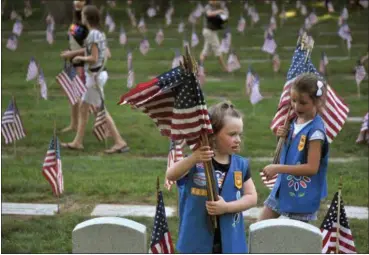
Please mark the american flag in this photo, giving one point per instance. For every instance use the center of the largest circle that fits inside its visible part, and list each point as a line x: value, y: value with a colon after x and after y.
x: 144, y: 46
x: 334, y: 113
x: 151, y: 12
x: 323, y: 63
x: 330, y: 7
x: 364, y: 131
x: 194, y: 39
x: 201, y: 74
x: 177, y: 59
x: 42, y: 83
x: 303, y: 10
x: 175, y: 152
x: 175, y: 102
x: 13, y: 15
x: 274, y: 8
x: 142, y: 26
x: 12, y: 43
x: 313, y: 18
x: 11, y: 124
x: 52, y: 167
x: 364, y: 3
x: 269, y: 45
x: 241, y: 24
x: 27, y: 9
x: 272, y: 23
x: 17, y: 28
x: 111, y: 27
x: 129, y: 60
x: 225, y: 44
x: 49, y: 35
x: 108, y: 19
x: 111, y: 3
x: 71, y: 83
x: 249, y: 81
x: 276, y: 63
x: 192, y: 18
x: 255, y: 95
x: 32, y: 70
x: 122, y: 36
x: 199, y: 10
x: 161, y: 241
x: 50, y: 22
x: 329, y: 229
x: 233, y: 63
x: 99, y: 129
x: 132, y: 17
x: 345, y: 32
x: 130, y: 78
x: 344, y: 13
x: 159, y: 38
x: 307, y: 23
x: 168, y: 15
x: 360, y: 74
x: 181, y: 27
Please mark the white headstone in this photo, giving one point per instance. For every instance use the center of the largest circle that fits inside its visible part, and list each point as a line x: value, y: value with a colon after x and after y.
x: 109, y: 235
x: 284, y: 236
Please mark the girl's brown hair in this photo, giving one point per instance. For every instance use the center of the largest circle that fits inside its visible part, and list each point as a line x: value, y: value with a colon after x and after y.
x: 219, y: 112
x: 92, y: 15
x: 308, y: 83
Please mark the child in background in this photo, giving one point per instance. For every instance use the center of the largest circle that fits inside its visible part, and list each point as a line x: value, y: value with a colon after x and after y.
x: 215, y: 18
x: 236, y: 188
x: 96, y: 77
x: 77, y: 34
x: 302, y: 171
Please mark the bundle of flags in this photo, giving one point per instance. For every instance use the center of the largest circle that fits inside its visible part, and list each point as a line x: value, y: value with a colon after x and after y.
x: 333, y: 228
x: 142, y: 25
x: 175, y: 102
x: 12, y: 43
x: 32, y: 70
x: 253, y: 87
x: 159, y: 36
x: 122, y: 36
x: 99, y: 128
x: 269, y: 45
x: 323, y: 64
x: 52, y: 167
x: 11, y: 124
x: 363, y: 136
x: 71, y: 83
x: 41, y: 81
x: 233, y: 63
x: 144, y: 46
x: 161, y: 240
x: 334, y: 112
x: 241, y: 24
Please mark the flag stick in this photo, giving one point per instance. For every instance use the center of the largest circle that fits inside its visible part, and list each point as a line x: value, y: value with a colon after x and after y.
x: 157, y: 187
x: 338, y: 217
x: 57, y: 181
x: 281, y: 139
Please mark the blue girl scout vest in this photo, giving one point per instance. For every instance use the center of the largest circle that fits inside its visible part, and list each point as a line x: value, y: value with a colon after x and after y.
x: 195, y: 235
x: 302, y: 194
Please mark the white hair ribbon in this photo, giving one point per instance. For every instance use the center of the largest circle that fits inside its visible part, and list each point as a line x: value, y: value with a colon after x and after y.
x: 320, y: 85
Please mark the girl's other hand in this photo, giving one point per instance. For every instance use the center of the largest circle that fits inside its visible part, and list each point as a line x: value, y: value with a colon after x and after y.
x: 65, y: 54
x: 77, y: 59
x: 203, y: 154
x: 168, y: 184
x: 282, y: 131
x: 270, y: 171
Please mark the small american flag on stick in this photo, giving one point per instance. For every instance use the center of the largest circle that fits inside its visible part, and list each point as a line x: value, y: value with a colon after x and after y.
x: 364, y: 131
x: 52, y: 167
x: 11, y: 124
x: 71, y: 83
x: 99, y: 129
x: 175, y: 152
x: 332, y: 229
x: 32, y: 70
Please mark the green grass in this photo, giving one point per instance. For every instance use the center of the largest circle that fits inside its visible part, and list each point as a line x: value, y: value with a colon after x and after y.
x: 91, y: 177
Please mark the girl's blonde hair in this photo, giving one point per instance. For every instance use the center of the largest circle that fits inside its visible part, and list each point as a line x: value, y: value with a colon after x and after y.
x: 219, y: 112
x: 309, y: 83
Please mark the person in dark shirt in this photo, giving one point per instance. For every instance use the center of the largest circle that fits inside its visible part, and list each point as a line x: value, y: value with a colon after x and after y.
x: 216, y: 16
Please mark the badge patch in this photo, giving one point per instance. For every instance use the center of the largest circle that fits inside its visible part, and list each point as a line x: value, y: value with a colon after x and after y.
x: 302, y: 142
x: 238, y: 179
x: 199, y: 192
x: 199, y: 179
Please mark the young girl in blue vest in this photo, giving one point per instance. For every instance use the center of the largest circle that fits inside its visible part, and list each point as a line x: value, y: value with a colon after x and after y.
x: 302, y: 171
x: 94, y: 57
x: 235, y: 188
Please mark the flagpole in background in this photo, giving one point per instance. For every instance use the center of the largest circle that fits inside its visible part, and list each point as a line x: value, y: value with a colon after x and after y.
x: 14, y: 128
x: 157, y: 187
x: 190, y: 65
x: 57, y: 181
x: 338, y: 216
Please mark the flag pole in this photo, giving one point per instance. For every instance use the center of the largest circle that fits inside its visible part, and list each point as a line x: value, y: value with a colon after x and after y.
x: 282, y: 139
x: 157, y: 187
x: 338, y: 216
x: 15, y: 139
x: 190, y: 65
x: 57, y: 181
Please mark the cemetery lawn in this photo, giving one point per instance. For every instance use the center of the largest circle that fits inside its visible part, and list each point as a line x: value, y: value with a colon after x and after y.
x: 90, y: 177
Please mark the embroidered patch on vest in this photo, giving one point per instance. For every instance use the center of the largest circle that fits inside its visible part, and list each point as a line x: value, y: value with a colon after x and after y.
x: 238, y: 179
x: 199, y: 179
x: 199, y: 192
x: 302, y: 142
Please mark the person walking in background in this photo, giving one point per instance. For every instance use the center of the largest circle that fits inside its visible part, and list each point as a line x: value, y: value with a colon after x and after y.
x: 216, y: 16
x: 96, y: 78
